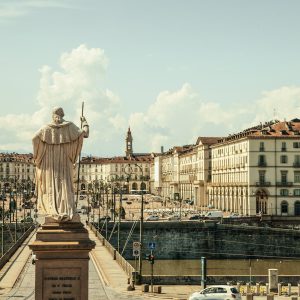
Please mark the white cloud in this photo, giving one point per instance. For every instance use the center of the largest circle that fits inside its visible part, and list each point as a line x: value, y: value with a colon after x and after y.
x: 174, y: 118
x: 18, y: 8
x: 282, y: 103
x: 79, y: 79
x: 179, y: 117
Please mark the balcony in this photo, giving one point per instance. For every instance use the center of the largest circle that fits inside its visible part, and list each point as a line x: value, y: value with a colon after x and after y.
x: 283, y: 149
x: 284, y: 183
x: 263, y: 183
x: 262, y: 164
x: 296, y: 164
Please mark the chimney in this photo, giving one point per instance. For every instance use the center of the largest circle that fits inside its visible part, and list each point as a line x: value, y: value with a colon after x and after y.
x: 161, y: 149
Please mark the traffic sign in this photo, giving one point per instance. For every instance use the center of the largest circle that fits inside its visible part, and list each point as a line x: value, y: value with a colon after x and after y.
x: 136, y: 253
x: 151, y: 245
x: 136, y: 246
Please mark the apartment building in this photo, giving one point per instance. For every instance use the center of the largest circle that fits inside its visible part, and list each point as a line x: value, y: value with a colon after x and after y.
x: 184, y: 171
x: 131, y: 171
x: 257, y: 171
x: 16, y: 167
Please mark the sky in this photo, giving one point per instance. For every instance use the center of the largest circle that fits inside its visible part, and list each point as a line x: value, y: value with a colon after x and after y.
x: 171, y: 70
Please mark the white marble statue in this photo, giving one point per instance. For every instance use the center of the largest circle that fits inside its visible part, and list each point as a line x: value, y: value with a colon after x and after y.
x: 56, y: 147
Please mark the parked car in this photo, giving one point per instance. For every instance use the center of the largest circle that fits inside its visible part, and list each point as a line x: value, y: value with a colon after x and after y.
x: 217, y: 292
x: 174, y: 218
x: 152, y: 218
x: 214, y: 214
x: 195, y: 217
x: 234, y: 215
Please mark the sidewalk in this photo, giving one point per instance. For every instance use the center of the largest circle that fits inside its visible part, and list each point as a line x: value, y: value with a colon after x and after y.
x: 10, y: 273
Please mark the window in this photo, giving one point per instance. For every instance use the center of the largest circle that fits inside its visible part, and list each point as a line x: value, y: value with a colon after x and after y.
x: 297, y: 176
x: 297, y: 160
x: 284, y: 192
x: 262, y: 176
x: 261, y: 146
x: 283, y: 176
x: 297, y: 192
x: 262, y: 160
x: 283, y: 146
x: 284, y: 207
x: 296, y: 145
x: 283, y: 159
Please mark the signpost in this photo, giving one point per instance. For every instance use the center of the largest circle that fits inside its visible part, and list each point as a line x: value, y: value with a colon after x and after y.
x: 136, y: 252
x: 151, y: 245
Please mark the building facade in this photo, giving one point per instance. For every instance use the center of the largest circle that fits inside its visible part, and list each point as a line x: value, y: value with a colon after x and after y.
x: 16, y: 169
x: 256, y: 171
x: 131, y: 171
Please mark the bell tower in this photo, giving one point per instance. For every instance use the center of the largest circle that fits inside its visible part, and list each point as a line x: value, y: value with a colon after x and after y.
x: 128, y: 143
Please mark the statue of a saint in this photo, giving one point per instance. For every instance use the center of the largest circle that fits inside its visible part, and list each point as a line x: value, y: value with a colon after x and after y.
x: 56, y: 147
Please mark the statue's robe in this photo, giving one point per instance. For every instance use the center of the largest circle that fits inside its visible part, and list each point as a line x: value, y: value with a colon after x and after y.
x: 55, y: 151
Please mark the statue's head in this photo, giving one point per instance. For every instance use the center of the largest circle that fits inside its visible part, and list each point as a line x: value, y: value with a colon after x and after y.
x: 57, y: 115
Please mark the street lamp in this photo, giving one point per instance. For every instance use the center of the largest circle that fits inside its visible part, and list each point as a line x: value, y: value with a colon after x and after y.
x: 141, y: 223
x: 3, y: 196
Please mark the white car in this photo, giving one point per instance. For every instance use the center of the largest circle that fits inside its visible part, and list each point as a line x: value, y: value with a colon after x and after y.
x: 217, y: 292
x: 152, y: 218
x: 174, y: 218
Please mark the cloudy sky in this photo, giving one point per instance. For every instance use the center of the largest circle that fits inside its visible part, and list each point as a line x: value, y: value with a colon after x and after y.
x: 171, y: 70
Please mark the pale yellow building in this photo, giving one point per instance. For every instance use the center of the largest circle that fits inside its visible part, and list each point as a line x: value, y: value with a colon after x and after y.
x: 258, y: 170
x: 131, y: 171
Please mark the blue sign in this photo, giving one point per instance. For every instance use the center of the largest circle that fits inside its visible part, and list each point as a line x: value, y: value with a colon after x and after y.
x: 151, y: 245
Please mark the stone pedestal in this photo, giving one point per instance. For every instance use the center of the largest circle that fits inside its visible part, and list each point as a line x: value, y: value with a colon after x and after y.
x: 62, y: 257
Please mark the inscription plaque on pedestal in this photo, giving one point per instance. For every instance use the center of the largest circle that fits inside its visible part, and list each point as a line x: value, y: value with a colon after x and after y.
x: 61, y: 284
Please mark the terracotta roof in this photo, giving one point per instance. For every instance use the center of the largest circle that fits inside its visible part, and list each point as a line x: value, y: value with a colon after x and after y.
x: 117, y: 159
x: 286, y: 129
x: 208, y: 140
x: 15, y: 157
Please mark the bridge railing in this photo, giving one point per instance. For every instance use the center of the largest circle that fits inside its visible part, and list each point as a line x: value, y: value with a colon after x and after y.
x: 126, y: 266
x: 10, y: 252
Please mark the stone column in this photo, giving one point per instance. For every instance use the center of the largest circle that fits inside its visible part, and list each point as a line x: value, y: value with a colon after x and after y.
x: 62, y: 257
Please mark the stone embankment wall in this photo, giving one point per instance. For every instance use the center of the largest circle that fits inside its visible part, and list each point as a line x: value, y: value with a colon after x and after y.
x: 191, y: 240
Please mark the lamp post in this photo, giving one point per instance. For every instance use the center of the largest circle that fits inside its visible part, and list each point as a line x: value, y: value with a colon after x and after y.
x: 141, y: 223
x: 2, y: 227
x: 106, y: 217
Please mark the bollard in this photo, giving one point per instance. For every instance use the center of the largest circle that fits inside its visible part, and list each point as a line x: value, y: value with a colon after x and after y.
x: 248, y: 288
x: 270, y: 296
x: 145, y: 288
x: 289, y: 291
x: 267, y: 289
x: 298, y: 289
x: 115, y: 254
x: 249, y: 297
x: 257, y: 290
x: 238, y: 287
x: 279, y: 289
